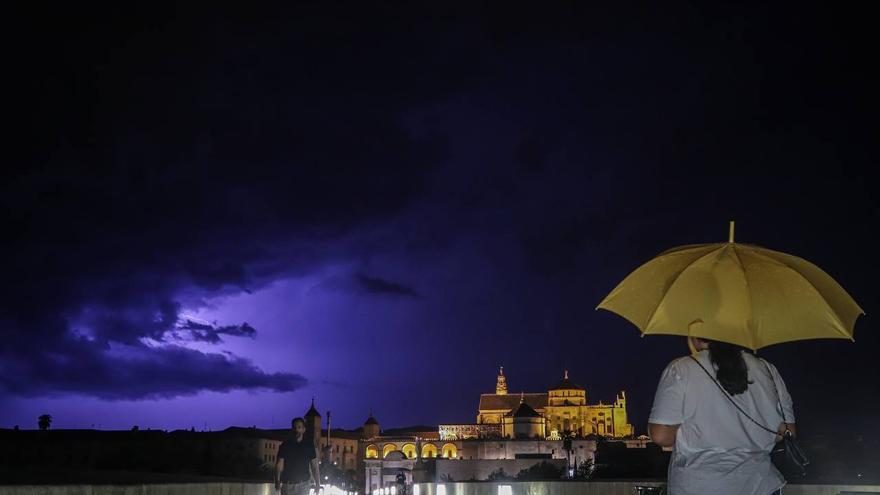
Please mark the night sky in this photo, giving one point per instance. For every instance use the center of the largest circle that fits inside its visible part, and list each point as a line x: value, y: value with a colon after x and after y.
x: 211, y: 215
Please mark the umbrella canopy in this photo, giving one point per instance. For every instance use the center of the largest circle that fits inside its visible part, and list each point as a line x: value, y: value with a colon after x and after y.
x: 736, y: 293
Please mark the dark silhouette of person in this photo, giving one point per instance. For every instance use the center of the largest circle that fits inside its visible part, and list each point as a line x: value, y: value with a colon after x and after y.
x: 296, y: 468
x: 401, y: 482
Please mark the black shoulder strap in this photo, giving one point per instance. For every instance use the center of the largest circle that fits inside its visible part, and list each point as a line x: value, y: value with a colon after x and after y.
x: 776, y: 389
x: 724, y: 392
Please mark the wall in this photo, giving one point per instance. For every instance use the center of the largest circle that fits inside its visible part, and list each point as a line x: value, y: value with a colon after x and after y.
x: 507, y: 449
x: 540, y: 488
x: 608, y: 488
x: 169, y: 489
x: 480, y: 469
x: 531, y: 488
x: 343, y: 451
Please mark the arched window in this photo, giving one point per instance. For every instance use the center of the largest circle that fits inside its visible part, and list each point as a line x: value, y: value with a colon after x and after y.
x: 410, y: 451
x: 372, y: 452
x: 429, y: 450
x: 388, y: 448
x: 449, y: 451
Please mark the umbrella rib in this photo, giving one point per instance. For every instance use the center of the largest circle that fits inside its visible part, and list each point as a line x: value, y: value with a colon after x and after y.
x: 742, y: 266
x: 821, y: 296
x: 674, y: 280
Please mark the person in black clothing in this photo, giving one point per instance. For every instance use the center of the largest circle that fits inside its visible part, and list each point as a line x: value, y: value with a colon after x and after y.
x: 296, y: 468
x: 401, y: 482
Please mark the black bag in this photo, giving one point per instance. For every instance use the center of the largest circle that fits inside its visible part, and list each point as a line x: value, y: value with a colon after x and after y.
x: 793, y: 452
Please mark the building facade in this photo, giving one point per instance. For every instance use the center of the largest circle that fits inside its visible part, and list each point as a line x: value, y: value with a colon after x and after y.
x: 512, y: 431
x: 337, y: 447
x: 564, y: 409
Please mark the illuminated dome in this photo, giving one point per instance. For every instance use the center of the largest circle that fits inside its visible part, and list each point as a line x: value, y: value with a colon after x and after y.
x: 566, y: 384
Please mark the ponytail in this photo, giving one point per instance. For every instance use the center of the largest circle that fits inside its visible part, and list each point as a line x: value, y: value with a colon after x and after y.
x: 732, y: 372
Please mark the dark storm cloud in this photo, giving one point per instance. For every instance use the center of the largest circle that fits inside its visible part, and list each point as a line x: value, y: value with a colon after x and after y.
x: 374, y: 285
x: 135, y: 372
x: 162, y: 161
x: 206, y: 332
x: 362, y: 284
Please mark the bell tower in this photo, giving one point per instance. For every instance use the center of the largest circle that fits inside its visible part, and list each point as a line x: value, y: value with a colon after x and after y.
x: 313, y: 423
x: 371, y: 427
x: 501, y: 385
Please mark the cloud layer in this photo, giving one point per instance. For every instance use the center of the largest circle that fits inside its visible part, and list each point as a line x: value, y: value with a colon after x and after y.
x: 134, y: 195
x: 483, y: 182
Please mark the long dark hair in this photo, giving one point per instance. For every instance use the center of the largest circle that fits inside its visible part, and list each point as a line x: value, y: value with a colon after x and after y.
x: 732, y: 372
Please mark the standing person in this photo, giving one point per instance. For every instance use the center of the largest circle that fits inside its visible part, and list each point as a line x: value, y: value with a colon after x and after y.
x: 297, y: 463
x: 716, y: 448
x: 401, y: 482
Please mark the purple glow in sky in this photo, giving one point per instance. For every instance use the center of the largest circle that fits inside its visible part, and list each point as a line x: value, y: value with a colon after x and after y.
x: 211, y: 217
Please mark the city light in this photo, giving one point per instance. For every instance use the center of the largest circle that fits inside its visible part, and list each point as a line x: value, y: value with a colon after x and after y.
x: 505, y: 490
x: 441, y: 490
x: 333, y: 490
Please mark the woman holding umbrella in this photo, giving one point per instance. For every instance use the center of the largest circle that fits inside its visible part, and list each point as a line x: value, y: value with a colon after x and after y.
x: 717, y: 448
x: 723, y: 409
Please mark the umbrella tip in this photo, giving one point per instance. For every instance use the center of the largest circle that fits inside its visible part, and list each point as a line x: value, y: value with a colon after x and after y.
x: 730, y: 238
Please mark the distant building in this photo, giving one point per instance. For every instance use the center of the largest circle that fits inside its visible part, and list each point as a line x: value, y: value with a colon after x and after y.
x: 563, y: 410
x: 383, y: 472
x: 338, y: 447
x: 386, y: 454
x: 241, y: 446
x: 512, y: 432
x: 424, y: 456
x: 157, y: 451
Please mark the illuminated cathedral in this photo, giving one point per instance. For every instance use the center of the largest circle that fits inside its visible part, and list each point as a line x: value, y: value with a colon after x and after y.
x: 509, y: 429
x: 562, y: 410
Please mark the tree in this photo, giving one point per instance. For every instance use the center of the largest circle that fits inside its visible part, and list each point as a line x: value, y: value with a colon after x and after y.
x: 45, y: 421
x: 585, y: 470
x: 499, y: 475
x: 540, y: 472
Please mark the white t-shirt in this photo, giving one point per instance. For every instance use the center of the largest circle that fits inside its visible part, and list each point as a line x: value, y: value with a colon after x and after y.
x: 717, y: 449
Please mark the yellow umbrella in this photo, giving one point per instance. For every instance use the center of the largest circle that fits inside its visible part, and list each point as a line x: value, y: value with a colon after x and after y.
x: 735, y: 293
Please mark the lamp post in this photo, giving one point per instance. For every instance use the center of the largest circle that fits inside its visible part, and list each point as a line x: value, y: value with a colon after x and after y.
x: 328, y: 428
